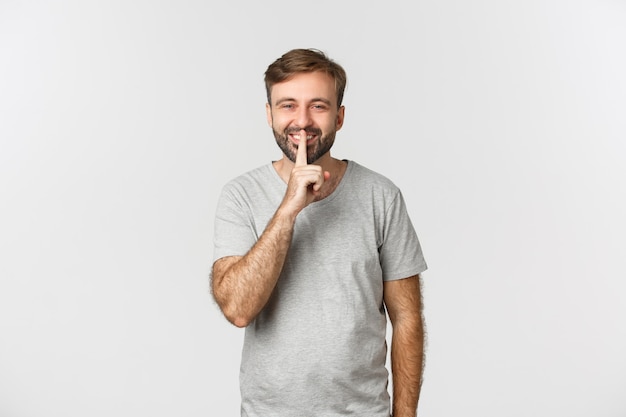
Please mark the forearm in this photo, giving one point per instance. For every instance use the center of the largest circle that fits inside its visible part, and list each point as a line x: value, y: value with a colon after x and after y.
x: 242, y: 289
x: 407, y: 363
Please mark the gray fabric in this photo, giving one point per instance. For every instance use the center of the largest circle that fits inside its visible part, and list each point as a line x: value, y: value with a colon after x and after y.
x: 318, y: 347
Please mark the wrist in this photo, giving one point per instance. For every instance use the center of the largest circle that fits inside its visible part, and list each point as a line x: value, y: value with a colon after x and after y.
x: 286, y: 216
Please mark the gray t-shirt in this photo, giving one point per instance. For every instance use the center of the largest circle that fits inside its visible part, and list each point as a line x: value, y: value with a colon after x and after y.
x: 318, y: 347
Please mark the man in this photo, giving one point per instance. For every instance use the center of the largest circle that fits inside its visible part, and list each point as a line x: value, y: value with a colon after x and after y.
x: 310, y: 251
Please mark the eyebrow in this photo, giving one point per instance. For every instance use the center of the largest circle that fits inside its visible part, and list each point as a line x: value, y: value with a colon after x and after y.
x: 316, y: 99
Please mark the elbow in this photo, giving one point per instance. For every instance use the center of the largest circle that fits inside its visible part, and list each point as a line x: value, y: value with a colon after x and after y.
x: 231, y: 311
x: 240, y: 322
x: 236, y: 318
x: 235, y: 312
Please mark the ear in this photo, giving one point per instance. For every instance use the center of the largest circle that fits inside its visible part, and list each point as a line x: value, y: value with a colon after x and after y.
x: 340, y: 115
x: 268, y: 111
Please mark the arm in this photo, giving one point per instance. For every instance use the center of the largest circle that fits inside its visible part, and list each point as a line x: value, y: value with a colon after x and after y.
x: 404, y: 304
x: 242, y: 285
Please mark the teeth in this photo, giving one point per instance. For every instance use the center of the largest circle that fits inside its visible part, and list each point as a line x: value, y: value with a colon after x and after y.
x: 298, y: 137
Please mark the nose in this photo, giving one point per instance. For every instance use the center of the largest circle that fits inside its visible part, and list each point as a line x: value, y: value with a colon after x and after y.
x: 303, y: 117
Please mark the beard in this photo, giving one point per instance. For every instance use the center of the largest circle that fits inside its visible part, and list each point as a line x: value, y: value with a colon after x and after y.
x: 322, y: 144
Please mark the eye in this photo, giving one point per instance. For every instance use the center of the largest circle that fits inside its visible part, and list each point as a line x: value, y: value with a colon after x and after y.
x: 319, y: 107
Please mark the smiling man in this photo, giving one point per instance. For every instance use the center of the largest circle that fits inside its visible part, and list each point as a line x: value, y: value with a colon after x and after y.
x: 310, y: 253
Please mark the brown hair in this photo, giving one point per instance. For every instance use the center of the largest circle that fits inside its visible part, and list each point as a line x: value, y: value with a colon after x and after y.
x: 304, y: 60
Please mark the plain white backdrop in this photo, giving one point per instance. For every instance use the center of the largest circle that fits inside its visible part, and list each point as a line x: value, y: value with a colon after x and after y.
x: 504, y: 123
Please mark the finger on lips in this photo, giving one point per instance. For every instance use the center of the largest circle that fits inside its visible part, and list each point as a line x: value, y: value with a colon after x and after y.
x: 301, y: 156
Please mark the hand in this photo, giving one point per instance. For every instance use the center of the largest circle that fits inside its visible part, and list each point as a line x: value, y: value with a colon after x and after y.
x: 305, y: 180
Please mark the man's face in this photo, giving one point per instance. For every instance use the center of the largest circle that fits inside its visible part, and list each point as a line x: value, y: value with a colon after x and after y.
x: 306, y: 101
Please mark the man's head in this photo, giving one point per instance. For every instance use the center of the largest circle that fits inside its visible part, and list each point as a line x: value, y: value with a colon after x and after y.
x: 299, y: 61
x: 305, y: 91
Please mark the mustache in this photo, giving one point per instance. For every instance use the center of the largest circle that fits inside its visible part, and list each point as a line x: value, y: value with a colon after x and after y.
x: 308, y: 130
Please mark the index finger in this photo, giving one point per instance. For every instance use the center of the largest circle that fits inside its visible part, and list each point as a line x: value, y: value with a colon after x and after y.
x: 301, y: 156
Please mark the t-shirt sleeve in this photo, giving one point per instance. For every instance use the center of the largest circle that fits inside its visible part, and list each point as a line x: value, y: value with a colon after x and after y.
x: 400, y: 253
x: 234, y: 233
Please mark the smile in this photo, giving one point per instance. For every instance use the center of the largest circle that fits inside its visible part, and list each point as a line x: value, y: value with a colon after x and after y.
x: 308, y: 137
x: 296, y: 137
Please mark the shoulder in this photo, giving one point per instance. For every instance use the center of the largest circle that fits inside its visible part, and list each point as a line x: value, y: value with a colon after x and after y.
x: 249, y: 180
x: 370, y: 179
x: 258, y: 189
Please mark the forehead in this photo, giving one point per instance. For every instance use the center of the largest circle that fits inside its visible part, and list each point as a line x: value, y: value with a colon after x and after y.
x: 306, y: 86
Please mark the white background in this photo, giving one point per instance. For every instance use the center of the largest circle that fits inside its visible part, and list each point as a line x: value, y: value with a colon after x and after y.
x: 503, y: 122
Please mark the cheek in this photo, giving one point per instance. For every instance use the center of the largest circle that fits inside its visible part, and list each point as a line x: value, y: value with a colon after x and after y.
x: 277, y: 121
x: 332, y: 125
